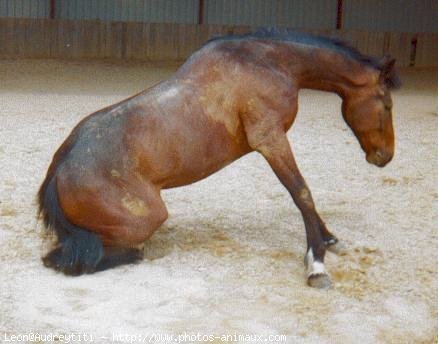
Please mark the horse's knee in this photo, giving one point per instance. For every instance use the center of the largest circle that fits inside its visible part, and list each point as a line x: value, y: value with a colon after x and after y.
x: 161, y: 215
x: 135, y: 230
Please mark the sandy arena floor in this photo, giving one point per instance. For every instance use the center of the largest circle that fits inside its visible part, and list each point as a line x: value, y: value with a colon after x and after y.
x: 230, y: 258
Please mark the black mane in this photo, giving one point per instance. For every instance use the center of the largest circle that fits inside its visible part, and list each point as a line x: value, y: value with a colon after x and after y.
x: 392, y: 81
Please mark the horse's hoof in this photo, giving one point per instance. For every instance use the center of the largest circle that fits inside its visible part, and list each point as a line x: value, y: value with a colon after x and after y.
x: 320, y: 281
x: 338, y: 248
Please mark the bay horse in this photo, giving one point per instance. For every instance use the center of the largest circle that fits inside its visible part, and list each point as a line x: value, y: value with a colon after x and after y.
x: 235, y: 95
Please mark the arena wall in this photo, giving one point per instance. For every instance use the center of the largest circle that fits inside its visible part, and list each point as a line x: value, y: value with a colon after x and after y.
x: 97, y: 39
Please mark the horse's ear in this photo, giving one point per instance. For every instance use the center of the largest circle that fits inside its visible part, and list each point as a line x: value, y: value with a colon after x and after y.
x: 388, y: 75
x: 386, y: 66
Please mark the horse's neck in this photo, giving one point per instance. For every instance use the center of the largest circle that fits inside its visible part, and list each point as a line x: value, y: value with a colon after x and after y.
x: 330, y: 72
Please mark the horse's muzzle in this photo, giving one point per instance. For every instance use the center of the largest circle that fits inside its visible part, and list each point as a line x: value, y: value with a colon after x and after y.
x: 379, y: 157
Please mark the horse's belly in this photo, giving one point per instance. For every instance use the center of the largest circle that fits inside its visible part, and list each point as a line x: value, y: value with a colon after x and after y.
x: 199, y: 170
x: 190, y: 150
x: 199, y: 160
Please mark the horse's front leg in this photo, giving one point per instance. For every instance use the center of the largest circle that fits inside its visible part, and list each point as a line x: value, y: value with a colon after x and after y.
x: 276, y: 150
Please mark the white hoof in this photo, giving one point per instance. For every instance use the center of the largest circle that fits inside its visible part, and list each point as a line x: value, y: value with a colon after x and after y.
x: 317, y: 277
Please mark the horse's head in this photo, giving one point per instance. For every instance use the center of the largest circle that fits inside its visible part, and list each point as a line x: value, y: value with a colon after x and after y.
x: 368, y: 112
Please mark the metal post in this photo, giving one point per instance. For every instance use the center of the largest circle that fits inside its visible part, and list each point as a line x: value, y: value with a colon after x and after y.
x: 339, y: 19
x: 413, y: 55
x: 52, y: 9
x: 201, y: 12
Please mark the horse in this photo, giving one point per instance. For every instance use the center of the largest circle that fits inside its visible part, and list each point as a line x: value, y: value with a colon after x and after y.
x: 235, y: 95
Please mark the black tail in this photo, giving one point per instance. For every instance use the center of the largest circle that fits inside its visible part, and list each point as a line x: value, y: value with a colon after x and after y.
x: 78, y: 251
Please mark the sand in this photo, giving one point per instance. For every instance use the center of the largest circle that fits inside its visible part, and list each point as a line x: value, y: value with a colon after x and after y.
x: 230, y: 258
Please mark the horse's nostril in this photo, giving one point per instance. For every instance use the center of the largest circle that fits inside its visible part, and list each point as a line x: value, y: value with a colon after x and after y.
x: 379, y: 158
x: 382, y: 158
x: 379, y: 155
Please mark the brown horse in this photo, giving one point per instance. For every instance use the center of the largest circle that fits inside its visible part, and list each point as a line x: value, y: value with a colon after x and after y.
x: 235, y: 95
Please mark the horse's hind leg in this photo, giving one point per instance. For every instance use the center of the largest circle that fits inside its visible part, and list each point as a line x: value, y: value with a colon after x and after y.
x: 122, y: 256
x: 91, y: 259
x: 122, y: 217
